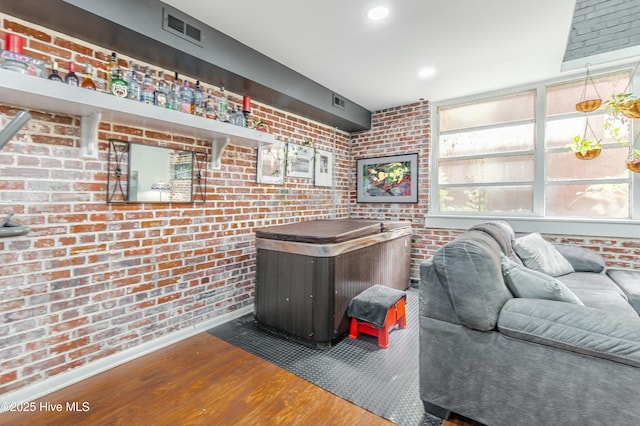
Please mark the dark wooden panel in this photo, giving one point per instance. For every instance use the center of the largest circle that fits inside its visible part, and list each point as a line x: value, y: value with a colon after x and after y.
x: 323, y: 299
x: 307, y: 296
x: 387, y: 263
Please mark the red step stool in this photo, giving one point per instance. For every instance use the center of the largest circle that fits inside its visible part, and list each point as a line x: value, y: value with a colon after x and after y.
x: 376, y: 311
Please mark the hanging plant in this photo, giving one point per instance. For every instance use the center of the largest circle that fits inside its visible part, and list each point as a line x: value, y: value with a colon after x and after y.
x: 585, y: 147
x: 592, y: 103
x: 633, y: 159
x: 624, y: 104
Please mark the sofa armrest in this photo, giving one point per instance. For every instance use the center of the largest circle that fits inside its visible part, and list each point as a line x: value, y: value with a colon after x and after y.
x: 570, y: 327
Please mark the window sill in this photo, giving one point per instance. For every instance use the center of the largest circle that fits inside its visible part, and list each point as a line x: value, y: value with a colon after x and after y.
x: 556, y: 226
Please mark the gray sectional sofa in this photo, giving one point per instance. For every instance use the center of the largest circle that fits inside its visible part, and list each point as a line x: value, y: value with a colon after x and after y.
x: 565, y: 351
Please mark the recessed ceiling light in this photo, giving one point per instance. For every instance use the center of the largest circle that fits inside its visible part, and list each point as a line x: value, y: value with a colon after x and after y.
x: 377, y: 13
x: 426, y: 72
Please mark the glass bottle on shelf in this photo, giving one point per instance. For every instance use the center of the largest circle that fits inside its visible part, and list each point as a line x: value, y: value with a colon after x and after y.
x: 173, y: 100
x: 55, y: 75
x: 197, y: 107
x: 119, y: 87
x: 210, y: 111
x: 134, y: 84
x: 161, y: 96
x: 88, y: 83
x: 72, y: 79
x: 223, y: 106
x: 186, y: 98
x: 112, y: 70
x: 148, y: 94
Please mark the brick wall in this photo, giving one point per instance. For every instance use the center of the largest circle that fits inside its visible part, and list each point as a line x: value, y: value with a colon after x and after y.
x: 601, y: 26
x: 93, y: 279
x: 397, y: 131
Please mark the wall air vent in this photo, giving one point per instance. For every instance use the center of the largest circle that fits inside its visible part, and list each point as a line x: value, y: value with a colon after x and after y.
x: 178, y: 25
x: 338, y: 102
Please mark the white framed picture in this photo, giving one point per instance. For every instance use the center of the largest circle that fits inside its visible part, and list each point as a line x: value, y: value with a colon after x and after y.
x: 271, y: 163
x: 323, y: 168
x: 300, y: 161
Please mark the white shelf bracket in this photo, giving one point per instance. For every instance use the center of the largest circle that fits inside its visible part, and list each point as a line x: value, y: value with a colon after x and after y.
x: 89, y: 136
x: 217, y: 148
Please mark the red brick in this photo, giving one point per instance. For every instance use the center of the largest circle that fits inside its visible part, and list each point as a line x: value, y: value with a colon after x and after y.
x: 30, y: 32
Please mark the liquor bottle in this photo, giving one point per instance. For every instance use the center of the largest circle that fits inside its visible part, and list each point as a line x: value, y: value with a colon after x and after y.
x: 119, y: 87
x: 55, y: 76
x: 161, y: 96
x: 72, y: 79
x: 223, y: 107
x: 186, y: 98
x: 88, y: 83
x: 197, y: 108
x: 134, y: 85
x: 173, y: 100
x: 210, y: 111
x: 148, y: 95
x: 112, y: 70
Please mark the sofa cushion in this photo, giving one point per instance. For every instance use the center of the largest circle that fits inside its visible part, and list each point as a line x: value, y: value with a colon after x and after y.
x: 574, y: 328
x: 598, y: 291
x: 540, y: 255
x: 503, y: 233
x: 470, y: 271
x: 581, y: 259
x: 629, y: 282
x: 525, y: 282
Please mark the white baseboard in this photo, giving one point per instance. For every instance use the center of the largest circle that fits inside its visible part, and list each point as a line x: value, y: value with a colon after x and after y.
x: 47, y: 386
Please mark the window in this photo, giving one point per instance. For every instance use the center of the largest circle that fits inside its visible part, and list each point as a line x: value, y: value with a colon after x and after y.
x: 597, y: 188
x: 506, y: 156
x: 486, y: 155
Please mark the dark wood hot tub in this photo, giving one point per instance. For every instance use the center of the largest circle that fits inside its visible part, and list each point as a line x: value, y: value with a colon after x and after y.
x: 307, y: 273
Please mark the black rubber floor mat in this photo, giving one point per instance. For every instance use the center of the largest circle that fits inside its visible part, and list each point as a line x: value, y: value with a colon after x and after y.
x: 383, y: 381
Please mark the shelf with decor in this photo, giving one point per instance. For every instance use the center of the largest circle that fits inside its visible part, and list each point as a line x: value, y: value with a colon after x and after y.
x: 40, y: 94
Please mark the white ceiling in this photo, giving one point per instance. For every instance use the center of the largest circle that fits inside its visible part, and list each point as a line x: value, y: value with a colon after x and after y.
x: 474, y: 45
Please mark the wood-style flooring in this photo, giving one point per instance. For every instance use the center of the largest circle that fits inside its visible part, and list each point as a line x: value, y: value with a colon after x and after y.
x: 201, y: 380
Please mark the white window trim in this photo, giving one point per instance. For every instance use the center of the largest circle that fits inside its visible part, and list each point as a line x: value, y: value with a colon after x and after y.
x: 622, y: 228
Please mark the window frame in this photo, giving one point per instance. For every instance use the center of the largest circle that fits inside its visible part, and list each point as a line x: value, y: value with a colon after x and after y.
x: 536, y: 221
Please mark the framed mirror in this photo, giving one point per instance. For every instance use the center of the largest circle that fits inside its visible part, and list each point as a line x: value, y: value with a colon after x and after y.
x: 141, y: 173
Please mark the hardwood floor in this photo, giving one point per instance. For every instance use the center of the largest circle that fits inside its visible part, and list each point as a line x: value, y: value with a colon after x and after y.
x: 199, y: 381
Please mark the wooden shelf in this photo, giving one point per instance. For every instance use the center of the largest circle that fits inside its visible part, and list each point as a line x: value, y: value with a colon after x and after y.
x: 49, y: 96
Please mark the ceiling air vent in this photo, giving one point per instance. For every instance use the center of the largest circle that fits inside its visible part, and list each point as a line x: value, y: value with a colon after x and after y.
x: 338, y: 102
x: 178, y: 25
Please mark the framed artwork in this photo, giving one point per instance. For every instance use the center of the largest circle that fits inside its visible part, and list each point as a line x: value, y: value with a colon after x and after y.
x: 392, y: 179
x: 300, y: 161
x: 271, y: 163
x: 323, y: 168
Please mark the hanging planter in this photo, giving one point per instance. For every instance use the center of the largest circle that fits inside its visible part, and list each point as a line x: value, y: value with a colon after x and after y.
x: 585, y: 147
x: 592, y: 103
x: 589, y: 106
x: 624, y: 104
x: 632, y: 109
x: 633, y: 160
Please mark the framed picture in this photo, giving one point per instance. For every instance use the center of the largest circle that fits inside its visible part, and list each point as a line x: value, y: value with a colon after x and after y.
x: 392, y: 179
x: 300, y: 161
x: 323, y: 168
x: 271, y: 163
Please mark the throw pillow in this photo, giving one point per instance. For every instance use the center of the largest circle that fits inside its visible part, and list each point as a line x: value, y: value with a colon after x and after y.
x: 541, y: 255
x: 525, y: 282
x: 581, y: 258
